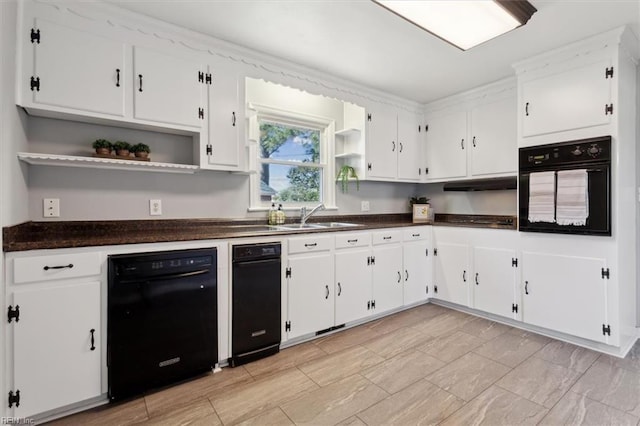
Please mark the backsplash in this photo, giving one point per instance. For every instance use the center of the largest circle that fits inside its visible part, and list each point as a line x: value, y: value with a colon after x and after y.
x: 473, y: 202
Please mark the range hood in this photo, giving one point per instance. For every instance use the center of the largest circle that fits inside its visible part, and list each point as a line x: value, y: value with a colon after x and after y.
x: 494, y: 184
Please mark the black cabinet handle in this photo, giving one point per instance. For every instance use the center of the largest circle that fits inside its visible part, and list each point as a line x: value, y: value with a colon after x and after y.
x: 339, y: 289
x: 93, y: 342
x: 140, y: 79
x: 46, y: 268
x: 406, y: 275
x: 400, y: 146
x: 399, y: 276
x: 352, y: 241
x: 526, y: 287
x: 473, y: 141
x: 117, y: 77
x: 464, y: 276
x: 394, y: 146
x: 477, y: 283
x: 387, y: 238
x: 327, y: 296
x: 311, y: 245
x: 462, y: 144
x: 526, y: 109
x: 233, y: 119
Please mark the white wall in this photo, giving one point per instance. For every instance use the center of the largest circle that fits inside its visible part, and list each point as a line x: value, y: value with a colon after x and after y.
x: 476, y: 202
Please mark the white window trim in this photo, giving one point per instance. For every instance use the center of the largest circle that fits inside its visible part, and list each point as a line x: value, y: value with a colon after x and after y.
x: 327, y: 128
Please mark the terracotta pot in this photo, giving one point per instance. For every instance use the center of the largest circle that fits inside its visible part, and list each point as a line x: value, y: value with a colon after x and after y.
x: 123, y: 152
x: 142, y: 154
x: 103, y: 151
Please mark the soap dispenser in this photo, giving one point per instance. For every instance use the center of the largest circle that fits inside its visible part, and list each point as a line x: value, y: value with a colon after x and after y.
x: 280, y: 216
x: 272, y: 216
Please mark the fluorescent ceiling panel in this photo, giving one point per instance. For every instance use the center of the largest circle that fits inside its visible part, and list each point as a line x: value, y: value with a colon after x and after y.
x: 462, y: 23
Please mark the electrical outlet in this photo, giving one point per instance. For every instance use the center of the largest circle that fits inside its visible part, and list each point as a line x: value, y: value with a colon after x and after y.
x: 155, y: 207
x: 51, y: 207
x: 364, y: 206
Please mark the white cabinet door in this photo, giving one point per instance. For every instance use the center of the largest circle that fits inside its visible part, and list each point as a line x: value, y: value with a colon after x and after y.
x: 387, y: 277
x: 167, y: 89
x: 568, y: 100
x: 494, y: 147
x: 564, y: 293
x: 446, y: 146
x: 494, y: 280
x: 408, y: 147
x: 226, y: 122
x: 311, y: 303
x: 452, y: 273
x: 54, y: 364
x: 382, y: 143
x: 76, y: 69
x: 353, y: 285
x: 417, y: 271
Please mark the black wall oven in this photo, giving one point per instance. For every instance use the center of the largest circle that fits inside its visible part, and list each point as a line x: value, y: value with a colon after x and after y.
x: 589, y: 156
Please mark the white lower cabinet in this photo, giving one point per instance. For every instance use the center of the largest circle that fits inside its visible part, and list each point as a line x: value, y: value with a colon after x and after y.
x: 494, y: 280
x: 353, y: 284
x: 56, y: 346
x: 309, y: 276
x: 451, y: 267
x: 387, y: 278
x: 417, y: 271
x: 565, y: 293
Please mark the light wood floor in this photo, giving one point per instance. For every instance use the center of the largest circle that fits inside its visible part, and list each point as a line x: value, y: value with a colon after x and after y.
x: 427, y: 365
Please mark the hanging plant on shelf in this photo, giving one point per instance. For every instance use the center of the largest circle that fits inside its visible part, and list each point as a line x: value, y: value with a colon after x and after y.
x: 345, y: 174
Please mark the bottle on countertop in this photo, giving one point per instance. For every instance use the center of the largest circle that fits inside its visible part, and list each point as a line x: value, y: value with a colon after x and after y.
x: 272, y: 216
x: 280, y: 216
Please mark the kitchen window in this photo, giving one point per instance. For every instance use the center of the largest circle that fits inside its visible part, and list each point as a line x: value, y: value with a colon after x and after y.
x: 291, y: 166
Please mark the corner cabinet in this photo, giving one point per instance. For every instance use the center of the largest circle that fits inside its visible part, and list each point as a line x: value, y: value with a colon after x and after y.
x: 55, y: 330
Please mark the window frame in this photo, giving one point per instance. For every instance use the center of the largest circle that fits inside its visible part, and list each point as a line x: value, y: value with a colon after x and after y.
x: 326, y: 127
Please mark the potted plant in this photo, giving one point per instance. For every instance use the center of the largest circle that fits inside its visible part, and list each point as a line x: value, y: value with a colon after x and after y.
x: 421, y: 209
x: 346, y: 173
x: 141, y: 150
x: 122, y: 148
x: 102, y: 147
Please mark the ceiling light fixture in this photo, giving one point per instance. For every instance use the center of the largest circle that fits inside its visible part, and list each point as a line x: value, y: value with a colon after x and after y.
x: 464, y: 24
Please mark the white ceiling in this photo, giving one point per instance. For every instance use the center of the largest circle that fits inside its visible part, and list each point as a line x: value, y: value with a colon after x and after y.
x: 360, y: 41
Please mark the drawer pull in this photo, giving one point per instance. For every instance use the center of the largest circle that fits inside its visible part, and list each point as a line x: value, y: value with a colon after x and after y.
x: 46, y: 268
x: 387, y: 238
x: 352, y: 241
x: 93, y: 342
x: 311, y: 245
x: 415, y: 235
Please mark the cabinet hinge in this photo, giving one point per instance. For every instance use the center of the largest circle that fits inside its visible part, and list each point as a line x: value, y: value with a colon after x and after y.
x: 605, y: 273
x: 207, y: 78
x: 514, y: 262
x: 426, y: 127
x: 426, y: 289
x: 209, y: 150
x: 369, y: 166
x: 419, y: 128
x: 368, y: 260
x: 287, y: 326
x: 426, y: 170
x: 435, y: 288
x: 514, y: 308
x: 200, y: 77
x: 435, y: 251
x: 35, y: 36
x: 368, y: 305
x: 608, y: 72
x: 13, y: 313
x: 201, y: 113
x: 419, y: 172
x: 14, y: 398
x: 426, y: 252
x: 373, y: 260
x: 373, y: 304
x: 287, y: 273
x: 606, y: 330
x: 35, y: 83
x: 369, y: 117
x: 608, y: 109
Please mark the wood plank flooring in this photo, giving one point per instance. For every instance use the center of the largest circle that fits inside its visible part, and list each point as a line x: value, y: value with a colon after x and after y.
x: 424, y: 366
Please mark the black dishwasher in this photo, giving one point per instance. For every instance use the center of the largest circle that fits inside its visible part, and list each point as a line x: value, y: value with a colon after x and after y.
x: 162, y: 321
x: 256, y: 302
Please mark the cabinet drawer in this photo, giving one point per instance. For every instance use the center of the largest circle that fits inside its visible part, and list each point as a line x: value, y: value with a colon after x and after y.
x: 416, y: 233
x: 310, y: 243
x: 387, y: 237
x: 353, y: 240
x: 56, y: 267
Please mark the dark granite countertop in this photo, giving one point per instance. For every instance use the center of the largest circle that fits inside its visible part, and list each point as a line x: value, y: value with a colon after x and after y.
x: 52, y: 235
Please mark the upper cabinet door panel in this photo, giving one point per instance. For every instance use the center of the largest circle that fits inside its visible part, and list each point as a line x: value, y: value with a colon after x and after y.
x: 568, y: 100
x: 167, y: 89
x: 225, y: 118
x: 446, y: 145
x: 382, y: 143
x: 78, y: 70
x: 408, y: 146
x: 494, y: 147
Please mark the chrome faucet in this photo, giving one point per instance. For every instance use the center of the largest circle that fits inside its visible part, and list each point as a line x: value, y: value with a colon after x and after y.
x: 304, y: 215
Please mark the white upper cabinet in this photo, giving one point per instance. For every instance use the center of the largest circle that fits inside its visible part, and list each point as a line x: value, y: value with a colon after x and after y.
x: 447, y: 145
x: 409, y: 147
x: 567, y: 100
x: 168, y: 89
x: 226, y: 122
x: 382, y: 143
x: 493, y: 147
x: 73, y: 70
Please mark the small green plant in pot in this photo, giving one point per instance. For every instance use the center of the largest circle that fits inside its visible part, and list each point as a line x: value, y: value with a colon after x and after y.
x: 417, y: 200
x: 122, y: 148
x: 141, y: 150
x: 102, y: 146
x: 346, y: 173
